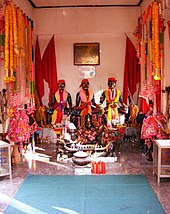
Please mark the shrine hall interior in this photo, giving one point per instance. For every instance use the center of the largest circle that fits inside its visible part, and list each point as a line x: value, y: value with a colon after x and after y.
x: 84, y: 90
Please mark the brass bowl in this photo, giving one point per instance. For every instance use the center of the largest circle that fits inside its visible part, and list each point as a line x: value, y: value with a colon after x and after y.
x: 81, y: 158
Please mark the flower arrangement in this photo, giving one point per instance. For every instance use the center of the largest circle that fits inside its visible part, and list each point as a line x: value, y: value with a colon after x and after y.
x: 19, y: 128
x: 154, y: 127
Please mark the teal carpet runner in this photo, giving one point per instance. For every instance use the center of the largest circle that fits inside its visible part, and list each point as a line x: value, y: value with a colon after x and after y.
x: 85, y: 194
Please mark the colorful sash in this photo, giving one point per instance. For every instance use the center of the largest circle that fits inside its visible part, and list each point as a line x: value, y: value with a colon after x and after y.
x: 61, y: 102
x: 85, y: 104
x: 112, y: 98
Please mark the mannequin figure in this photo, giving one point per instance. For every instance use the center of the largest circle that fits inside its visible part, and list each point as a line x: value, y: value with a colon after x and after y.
x: 61, y: 103
x: 113, y: 97
x: 85, y: 101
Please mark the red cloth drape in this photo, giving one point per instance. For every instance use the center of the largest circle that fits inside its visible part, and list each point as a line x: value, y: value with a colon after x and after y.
x: 131, y: 70
x: 168, y: 27
x: 144, y: 105
x: 49, y: 67
x: 39, y: 83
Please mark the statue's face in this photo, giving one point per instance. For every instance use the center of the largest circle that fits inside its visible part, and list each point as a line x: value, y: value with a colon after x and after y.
x: 85, y: 85
x: 111, y: 84
x: 61, y: 86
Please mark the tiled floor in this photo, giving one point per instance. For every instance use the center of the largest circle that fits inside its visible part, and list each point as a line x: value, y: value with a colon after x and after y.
x: 130, y: 161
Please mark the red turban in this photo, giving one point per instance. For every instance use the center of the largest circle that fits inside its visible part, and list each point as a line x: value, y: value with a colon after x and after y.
x: 112, y: 79
x: 83, y: 81
x: 61, y: 81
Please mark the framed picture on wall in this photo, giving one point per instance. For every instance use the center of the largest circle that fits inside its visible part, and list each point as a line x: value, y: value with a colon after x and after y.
x: 86, y: 54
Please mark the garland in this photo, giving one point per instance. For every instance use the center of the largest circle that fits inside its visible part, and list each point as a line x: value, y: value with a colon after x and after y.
x: 156, y: 42
x: 11, y: 44
x: 32, y: 86
x: 7, y: 29
x: 29, y: 60
x: 2, y: 35
x: 18, y: 48
x: 10, y: 41
x: 20, y: 22
x: 18, y: 51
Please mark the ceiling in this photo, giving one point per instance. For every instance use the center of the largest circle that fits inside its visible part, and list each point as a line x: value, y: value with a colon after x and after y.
x: 84, y: 3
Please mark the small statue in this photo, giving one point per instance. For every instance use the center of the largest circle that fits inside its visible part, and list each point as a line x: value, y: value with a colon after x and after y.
x: 41, y: 111
x: 134, y: 110
x: 3, y: 109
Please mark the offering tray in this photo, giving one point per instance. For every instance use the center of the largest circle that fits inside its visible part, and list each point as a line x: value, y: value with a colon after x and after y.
x: 73, y: 147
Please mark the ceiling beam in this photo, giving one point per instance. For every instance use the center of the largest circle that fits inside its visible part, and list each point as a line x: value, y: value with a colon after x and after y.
x: 82, y: 6
x: 140, y: 2
x: 32, y: 4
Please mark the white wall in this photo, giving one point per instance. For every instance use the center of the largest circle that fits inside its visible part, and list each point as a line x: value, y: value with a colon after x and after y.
x: 73, y: 25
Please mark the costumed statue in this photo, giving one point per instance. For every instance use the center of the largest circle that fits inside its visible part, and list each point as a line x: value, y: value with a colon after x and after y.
x: 113, y: 97
x: 134, y: 110
x: 85, y: 101
x: 61, y: 103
